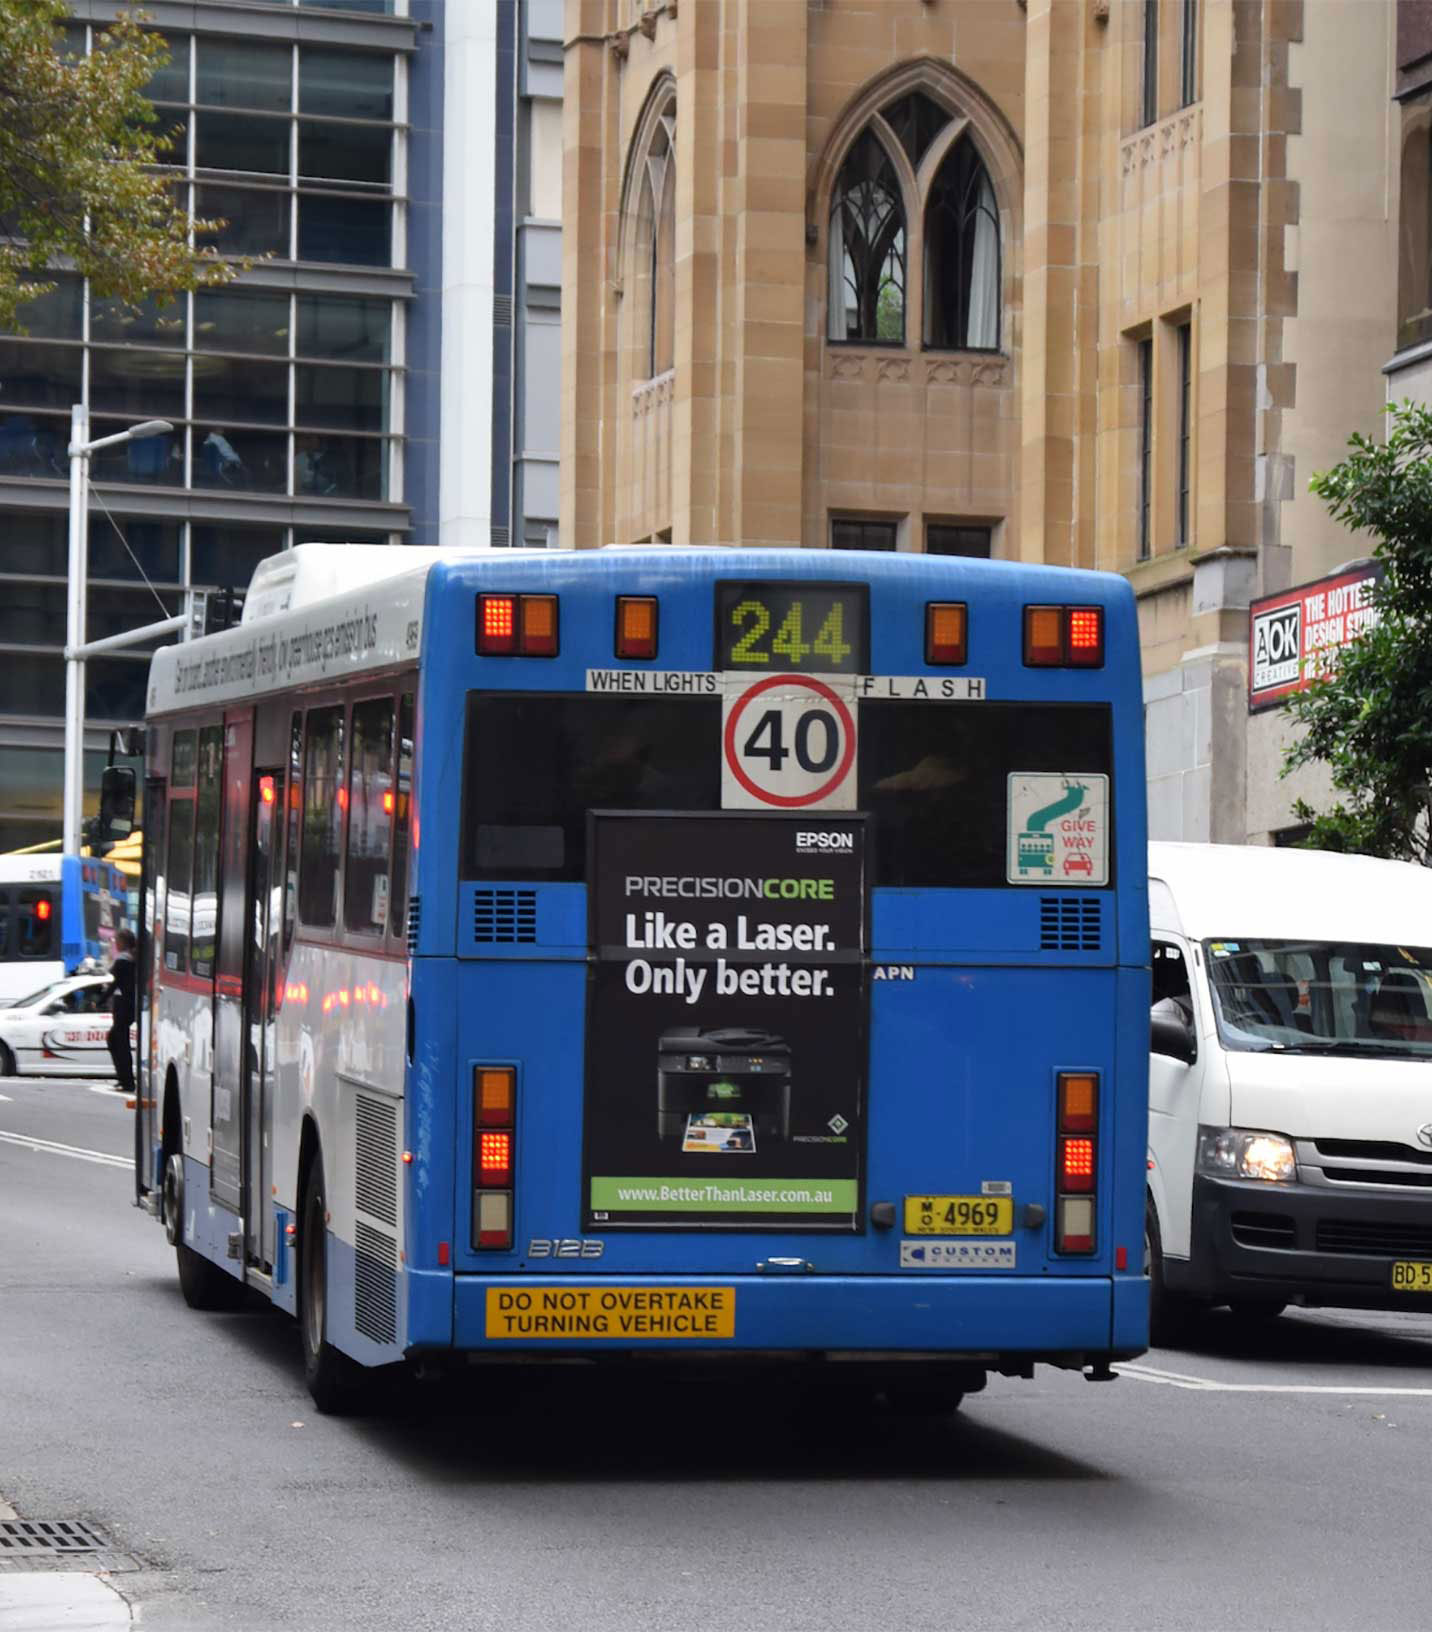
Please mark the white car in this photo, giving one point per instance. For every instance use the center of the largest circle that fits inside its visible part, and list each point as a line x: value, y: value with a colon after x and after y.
x: 60, y: 1030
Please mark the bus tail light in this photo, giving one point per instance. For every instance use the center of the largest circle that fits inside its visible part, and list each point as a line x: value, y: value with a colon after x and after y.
x: 517, y: 625
x: 1078, y: 1101
x: 1085, y: 628
x: 636, y: 626
x: 946, y: 630
x: 539, y: 626
x: 1064, y: 637
x: 1078, y: 1162
x: 497, y: 625
x: 1074, y: 1225
x: 42, y: 910
x: 494, y: 1093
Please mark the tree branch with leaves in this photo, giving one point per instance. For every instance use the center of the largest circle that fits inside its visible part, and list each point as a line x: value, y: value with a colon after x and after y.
x: 1370, y: 720
x: 79, y: 143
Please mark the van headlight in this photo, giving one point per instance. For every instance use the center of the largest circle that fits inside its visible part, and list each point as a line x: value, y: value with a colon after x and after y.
x: 1241, y: 1153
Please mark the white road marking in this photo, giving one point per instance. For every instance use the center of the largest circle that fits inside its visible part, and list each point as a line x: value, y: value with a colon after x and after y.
x: 7, y: 1099
x: 1180, y: 1379
x: 48, y: 1146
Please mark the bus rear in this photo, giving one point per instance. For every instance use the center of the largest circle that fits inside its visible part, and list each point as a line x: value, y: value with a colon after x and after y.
x: 779, y: 963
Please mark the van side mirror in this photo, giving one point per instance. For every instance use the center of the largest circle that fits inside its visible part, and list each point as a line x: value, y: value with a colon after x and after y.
x: 116, y: 805
x: 1171, y: 1033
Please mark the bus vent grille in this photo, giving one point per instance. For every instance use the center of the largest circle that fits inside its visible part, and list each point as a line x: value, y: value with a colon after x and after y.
x: 375, y: 1158
x: 504, y: 916
x: 415, y: 918
x: 1069, y: 923
x: 375, y: 1284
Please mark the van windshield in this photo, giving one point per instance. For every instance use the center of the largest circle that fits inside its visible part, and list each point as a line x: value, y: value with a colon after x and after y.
x: 1315, y: 997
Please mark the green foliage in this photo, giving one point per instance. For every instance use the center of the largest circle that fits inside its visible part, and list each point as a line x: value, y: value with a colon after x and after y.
x: 1370, y: 722
x: 77, y: 138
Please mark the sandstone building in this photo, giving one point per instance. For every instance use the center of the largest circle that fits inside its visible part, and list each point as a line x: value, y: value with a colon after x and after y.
x: 1090, y: 282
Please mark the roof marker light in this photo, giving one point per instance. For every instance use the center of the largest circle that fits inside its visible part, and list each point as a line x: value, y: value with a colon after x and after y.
x: 636, y: 626
x: 1085, y: 630
x: 1043, y: 637
x: 537, y: 616
x: 946, y: 631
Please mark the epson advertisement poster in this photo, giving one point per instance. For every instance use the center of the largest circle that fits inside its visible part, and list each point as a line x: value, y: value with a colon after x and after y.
x: 726, y: 1023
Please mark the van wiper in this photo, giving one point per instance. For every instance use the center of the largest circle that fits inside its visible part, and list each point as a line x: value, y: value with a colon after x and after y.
x: 1349, y: 1047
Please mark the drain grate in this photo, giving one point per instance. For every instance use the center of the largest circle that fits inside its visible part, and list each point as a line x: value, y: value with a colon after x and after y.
x: 26, y: 1538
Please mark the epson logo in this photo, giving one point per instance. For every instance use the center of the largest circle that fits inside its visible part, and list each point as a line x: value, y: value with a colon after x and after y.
x: 825, y: 841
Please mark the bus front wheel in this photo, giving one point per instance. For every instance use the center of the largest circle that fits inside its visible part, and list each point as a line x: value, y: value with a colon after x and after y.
x: 204, y: 1285
x: 332, y: 1378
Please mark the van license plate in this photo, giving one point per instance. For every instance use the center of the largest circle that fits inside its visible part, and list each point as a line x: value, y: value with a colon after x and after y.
x: 1412, y: 1277
x: 959, y: 1215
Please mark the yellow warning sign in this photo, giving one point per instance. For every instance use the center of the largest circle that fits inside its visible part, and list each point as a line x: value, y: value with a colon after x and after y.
x: 611, y: 1313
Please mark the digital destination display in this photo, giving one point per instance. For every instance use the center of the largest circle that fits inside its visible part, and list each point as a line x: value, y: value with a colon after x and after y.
x: 781, y: 628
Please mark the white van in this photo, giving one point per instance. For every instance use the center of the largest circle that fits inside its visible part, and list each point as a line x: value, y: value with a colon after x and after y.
x: 1290, y: 1083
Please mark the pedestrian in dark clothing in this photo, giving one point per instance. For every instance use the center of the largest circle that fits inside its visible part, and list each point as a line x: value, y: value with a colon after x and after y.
x: 121, y: 1007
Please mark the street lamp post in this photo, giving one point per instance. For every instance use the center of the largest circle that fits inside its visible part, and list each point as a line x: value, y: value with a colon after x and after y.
x: 80, y: 450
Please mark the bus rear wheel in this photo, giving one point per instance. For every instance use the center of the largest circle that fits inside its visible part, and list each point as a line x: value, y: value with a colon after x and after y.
x: 204, y: 1285
x: 332, y: 1378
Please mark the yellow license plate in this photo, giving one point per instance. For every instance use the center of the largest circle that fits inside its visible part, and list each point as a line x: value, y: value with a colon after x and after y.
x: 959, y: 1215
x: 610, y: 1314
x: 1412, y: 1277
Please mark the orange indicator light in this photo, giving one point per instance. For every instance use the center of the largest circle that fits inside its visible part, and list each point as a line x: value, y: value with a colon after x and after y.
x: 945, y: 631
x: 539, y: 625
x: 636, y: 626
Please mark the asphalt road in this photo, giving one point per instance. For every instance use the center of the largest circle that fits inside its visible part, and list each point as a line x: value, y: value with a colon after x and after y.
x: 1267, y: 1479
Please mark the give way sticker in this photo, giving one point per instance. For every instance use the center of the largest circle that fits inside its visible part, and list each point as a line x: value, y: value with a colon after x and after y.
x: 788, y: 742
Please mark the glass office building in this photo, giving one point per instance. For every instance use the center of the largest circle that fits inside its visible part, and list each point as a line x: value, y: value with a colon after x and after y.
x: 307, y: 397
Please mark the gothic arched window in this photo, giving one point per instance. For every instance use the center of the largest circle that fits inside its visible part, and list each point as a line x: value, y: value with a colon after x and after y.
x: 867, y: 247
x: 661, y: 205
x: 962, y: 261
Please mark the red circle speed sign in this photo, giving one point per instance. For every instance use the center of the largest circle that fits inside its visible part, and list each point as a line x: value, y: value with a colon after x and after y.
x: 825, y: 707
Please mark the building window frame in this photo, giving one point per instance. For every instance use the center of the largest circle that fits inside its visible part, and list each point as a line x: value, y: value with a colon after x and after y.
x: 1188, y: 54
x: 1149, y: 84
x: 1183, y: 518
x: 1145, y: 367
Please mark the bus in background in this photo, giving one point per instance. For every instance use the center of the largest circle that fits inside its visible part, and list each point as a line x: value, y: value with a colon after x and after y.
x: 719, y: 952
x: 56, y: 914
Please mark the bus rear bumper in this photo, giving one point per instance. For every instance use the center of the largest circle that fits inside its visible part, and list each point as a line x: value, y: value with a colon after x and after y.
x: 1064, y: 1320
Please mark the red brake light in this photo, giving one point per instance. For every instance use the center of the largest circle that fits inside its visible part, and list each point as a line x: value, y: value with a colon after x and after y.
x: 388, y: 803
x: 1076, y: 1165
x: 1085, y: 625
x: 494, y: 1158
x: 497, y: 625
x: 266, y: 789
x: 42, y: 910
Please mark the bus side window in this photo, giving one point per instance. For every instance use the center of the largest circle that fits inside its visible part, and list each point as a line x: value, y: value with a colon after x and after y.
x: 323, y: 799
x: 205, y: 891
x: 36, y: 923
x: 370, y: 816
x: 294, y: 795
x: 398, y: 906
x: 178, y: 880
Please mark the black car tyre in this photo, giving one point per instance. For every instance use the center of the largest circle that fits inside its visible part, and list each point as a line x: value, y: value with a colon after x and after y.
x: 1170, y: 1313
x: 7, y: 1062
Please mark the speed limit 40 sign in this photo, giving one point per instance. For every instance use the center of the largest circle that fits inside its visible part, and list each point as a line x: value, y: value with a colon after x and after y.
x: 788, y: 743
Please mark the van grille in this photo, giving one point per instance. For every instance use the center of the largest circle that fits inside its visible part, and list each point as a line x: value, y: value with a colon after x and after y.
x: 1070, y: 923
x: 504, y: 917
x: 1365, y: 1162
x: 1374, y: 1239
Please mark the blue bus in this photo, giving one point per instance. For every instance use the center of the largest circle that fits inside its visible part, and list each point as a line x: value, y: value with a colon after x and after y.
x: 56, y: 913
x: 730, y: 954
